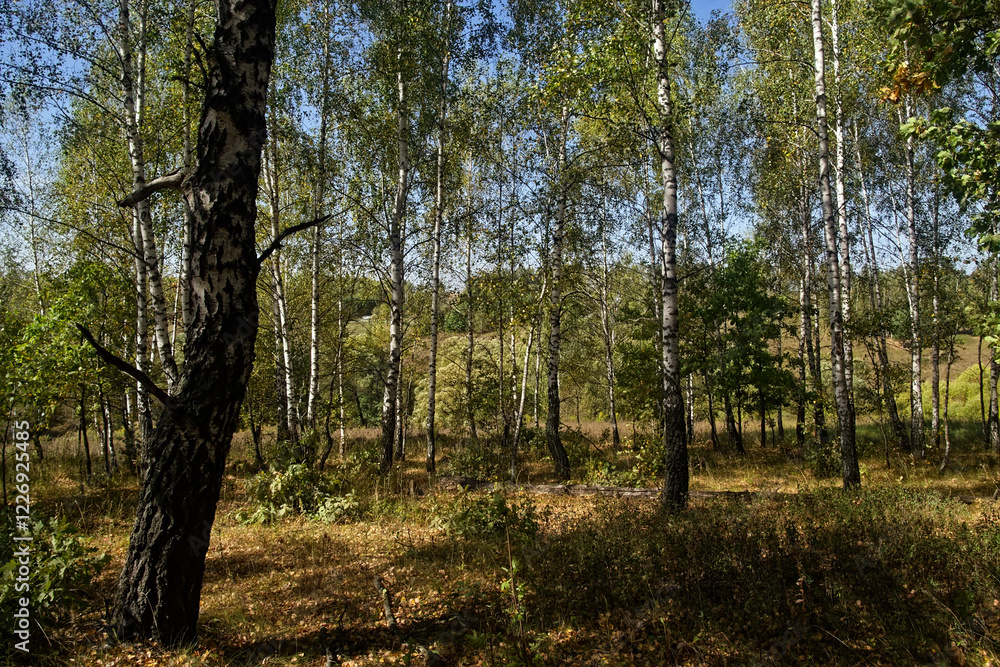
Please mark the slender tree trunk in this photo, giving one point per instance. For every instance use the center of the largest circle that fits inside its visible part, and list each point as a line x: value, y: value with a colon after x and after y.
x: 133, y: 99
x: 553, y: 421
x: 271, y: 179
x: 471, y: 347
x: 800, y: 412
x: 993, y: 419
x: 936, y: 330
x: 608, y: 331
x: 982, y: 401
x: 280, y: 381
x: 781, y: 406
x: 317, y: 239
x: 83, y: 430
x: 160, y: 584
x: 389, y: 415
x: 436, y: 248
x: 711, y: 412
x: 144, y: 412
x: 675, y: 489
x: 839, y: 176
x: 888, y: 392
x: 184, y: 284
x: 806, y: 326
x: 913, y: 296
x: 841, y: 390
x: 947, y: 392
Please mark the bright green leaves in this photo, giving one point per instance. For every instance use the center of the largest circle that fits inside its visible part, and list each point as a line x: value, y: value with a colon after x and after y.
x: 969, y: 157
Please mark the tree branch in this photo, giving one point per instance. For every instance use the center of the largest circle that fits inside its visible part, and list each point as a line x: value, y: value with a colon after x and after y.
x: 126, y: 368
x: 171, y: 180
x: 276, y: 243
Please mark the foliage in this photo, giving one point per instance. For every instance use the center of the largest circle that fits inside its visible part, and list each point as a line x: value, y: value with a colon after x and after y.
x: 300, y: 489
x: 489, y: 516
x: 62, y: 569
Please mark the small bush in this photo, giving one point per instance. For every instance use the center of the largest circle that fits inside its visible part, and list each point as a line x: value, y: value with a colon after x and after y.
x: 477, y: 461
x: 489, y: 516
x: 275, y: 494
x: 824, y: 459
x: 61, y: 567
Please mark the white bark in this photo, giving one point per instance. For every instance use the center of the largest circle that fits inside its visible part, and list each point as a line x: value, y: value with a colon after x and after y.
x: 133, y: 101
x: 841, y: 391
x: 845, y: 238
x: 913, y: 297
x: 389, y: 415
x: 271, y: 181
x: 675, y: 490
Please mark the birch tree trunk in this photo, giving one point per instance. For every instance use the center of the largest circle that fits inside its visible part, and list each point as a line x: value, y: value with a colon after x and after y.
x: 675, y: 489
x: 133, y: 101
x: 436, y: 248
x: 317, y: 233
x: 160, y: 584
x: 608, y: 331
x: 993, y: 417
x: 841, y: 390
x: 936, y: 329
x: 888, y: 392
x: 839, y: 175
x: 396, y: 272
x: 553, y: 421
x: 913, y: 297
x: 271, y: 179
x: 184, y: 284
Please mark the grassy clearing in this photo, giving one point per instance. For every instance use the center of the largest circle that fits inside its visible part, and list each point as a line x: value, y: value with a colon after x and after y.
x: 795, y: 571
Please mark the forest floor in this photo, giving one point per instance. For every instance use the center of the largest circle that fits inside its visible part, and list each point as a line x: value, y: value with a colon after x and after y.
x: 789, y: 569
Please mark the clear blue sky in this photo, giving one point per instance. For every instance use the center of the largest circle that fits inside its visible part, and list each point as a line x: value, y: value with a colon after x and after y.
x: 703, y: 8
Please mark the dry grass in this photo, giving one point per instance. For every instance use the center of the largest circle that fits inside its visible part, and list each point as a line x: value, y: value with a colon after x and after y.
x: 604, y: 580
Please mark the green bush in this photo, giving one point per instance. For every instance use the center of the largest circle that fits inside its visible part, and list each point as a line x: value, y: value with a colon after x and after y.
x: 300, y: 489
x: 477, y: 460
x: 61, y: 568
x: 489, y: 516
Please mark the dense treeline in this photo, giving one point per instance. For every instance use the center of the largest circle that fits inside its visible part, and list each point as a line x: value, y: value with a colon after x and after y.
x: 496, y: 222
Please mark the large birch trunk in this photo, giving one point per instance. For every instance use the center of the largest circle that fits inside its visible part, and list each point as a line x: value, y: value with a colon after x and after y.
x: 841, y: 390
x: 160, y: 584
x: 675, y: 489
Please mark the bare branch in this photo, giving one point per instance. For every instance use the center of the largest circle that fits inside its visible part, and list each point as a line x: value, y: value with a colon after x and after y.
x: 172, y: 180
x: 126, y: 367
x: 276, y: 243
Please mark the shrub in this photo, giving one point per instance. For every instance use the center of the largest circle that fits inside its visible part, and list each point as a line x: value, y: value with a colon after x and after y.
x: 300, y: 489
x: 477, y: 460
x: 62, y: 566
x: 489, y: 516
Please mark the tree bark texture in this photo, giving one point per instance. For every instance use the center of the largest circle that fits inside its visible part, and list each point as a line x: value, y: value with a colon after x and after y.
x: 841, y: 390
x: 913, y: 296
x: 675, y: 489
x: 389, y: 415
x: 160, y: 584
x: 553, y: 420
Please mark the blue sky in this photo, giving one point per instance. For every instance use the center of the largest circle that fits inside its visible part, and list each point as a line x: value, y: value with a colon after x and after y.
x: 703, y: 8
